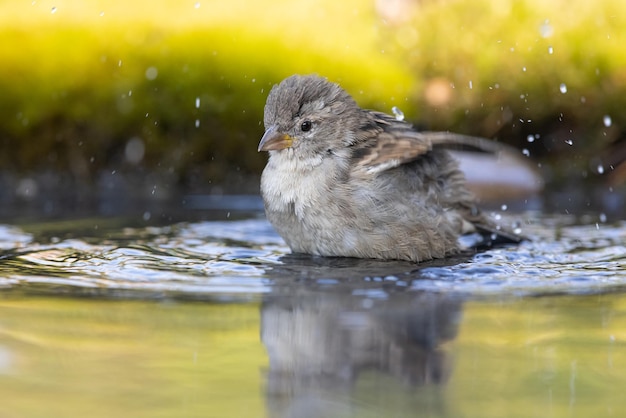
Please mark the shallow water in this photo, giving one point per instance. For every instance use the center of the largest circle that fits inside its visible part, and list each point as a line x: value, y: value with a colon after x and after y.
x: 216, y: 318
x: 245, y: 258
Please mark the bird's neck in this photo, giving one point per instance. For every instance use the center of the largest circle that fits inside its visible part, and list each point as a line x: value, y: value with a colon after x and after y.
x: 291, y: 183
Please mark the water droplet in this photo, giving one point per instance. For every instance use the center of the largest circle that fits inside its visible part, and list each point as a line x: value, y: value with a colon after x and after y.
x: 197, y: 103
x: 27, y: 188
x: 563, y: 88
x: 119, y: 63
x: 130, y: 93
x: 550, y: 50
x: 600, y: 169
x: 197, y: 5
x: 151, y: 73
x: 546, y: 30
x: 134, y: 150
x: 530, y: 138
x: 147, y: 216
x: 471, y: 85
x: 607, y: 121
x: 569, y: 142
x: 398, y: 113
x: 53, y: 10
x: 102, y: 13
x: 526, y: 152
x: 602, y: 217
x: 504, y: 207
x: 524, y: 69
x: 197, y: 123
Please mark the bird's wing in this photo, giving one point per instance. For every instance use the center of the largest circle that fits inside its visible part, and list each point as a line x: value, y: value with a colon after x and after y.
x: 458, y: 142
x: 389, y: 144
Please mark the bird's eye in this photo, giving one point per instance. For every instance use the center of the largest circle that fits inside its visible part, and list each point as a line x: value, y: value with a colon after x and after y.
x: 306, y: 126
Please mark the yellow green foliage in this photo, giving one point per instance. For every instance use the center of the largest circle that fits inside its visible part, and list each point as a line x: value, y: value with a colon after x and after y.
x: 80, y: 79
x: 488, y: 66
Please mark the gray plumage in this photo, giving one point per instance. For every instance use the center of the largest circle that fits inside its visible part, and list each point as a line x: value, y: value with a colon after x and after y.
x: 345, y: 181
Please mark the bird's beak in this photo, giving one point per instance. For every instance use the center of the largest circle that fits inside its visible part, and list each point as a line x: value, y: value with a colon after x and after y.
x: 273, y: 140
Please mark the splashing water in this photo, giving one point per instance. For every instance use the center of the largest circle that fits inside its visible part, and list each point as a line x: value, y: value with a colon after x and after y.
x: 397, y: 113
x: 151, y: 73
x: 546, y: 30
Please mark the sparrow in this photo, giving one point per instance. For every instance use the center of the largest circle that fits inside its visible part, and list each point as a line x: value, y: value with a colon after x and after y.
x: 344, y: 181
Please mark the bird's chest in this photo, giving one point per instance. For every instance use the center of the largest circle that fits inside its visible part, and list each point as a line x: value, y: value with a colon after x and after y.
x: 295, y: 189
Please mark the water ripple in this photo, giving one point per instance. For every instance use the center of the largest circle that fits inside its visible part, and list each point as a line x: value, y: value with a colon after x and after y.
x: 247, y: 258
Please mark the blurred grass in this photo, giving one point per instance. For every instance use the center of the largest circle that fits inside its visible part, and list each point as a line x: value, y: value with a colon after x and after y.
x: 81, y: 79
x: 77, y: 86
x: 509, y: 69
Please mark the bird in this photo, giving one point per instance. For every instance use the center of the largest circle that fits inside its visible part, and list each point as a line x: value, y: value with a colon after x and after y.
x: 343, y: 181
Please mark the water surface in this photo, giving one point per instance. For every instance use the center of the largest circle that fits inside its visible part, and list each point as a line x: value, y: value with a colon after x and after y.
x: 216, y: 318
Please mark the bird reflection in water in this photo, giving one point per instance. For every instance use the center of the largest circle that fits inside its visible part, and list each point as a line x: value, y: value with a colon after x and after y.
x: 329, y: 321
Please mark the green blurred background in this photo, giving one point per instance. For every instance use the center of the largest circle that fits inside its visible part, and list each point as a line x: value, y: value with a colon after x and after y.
x: 153, y: 100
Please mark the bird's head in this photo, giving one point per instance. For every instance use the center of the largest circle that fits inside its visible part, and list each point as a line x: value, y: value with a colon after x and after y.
x: 308, y: 115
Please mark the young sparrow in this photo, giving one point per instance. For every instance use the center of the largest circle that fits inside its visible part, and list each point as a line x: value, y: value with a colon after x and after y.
x: 345, y: 181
